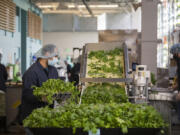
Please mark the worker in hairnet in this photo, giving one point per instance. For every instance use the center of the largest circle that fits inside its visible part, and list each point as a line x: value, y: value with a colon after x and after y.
x: 3, y: 75
x: 42, y: 70
x: 69, y: 65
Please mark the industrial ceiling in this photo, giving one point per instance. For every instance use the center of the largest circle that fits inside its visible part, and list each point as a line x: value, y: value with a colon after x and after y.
x: 85, y: 7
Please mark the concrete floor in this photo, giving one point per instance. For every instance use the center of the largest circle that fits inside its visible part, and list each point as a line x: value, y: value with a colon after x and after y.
x: 176, y: 130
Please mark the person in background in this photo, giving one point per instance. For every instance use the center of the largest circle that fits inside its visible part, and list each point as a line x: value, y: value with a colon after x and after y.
x: 3, y: 75
x: 75, y: 71
x: 69, y: 65
x: 177, y: 84
x: 42, y: 70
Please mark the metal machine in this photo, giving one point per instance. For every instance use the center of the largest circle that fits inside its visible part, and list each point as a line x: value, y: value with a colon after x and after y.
x: 141, y: 83
x: 104, y: 46
x: 138, y: 83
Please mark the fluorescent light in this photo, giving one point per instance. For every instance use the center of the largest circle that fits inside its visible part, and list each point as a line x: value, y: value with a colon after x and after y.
x: 95, y: 6
x: 71, y: 6
x: 48, y: 6
x: 81, y: 6
x: 104, y: 6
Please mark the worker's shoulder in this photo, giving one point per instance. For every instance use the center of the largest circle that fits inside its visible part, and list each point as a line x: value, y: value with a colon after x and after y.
x: 31, y: 70
x: 52, y: 68
x: 1, y: 65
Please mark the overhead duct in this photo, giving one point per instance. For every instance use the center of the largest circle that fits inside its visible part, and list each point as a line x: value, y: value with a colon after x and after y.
x: 136, y: 6
x: 88, y: 8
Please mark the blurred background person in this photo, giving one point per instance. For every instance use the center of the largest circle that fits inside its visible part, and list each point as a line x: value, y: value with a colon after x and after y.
x: 3, y: 75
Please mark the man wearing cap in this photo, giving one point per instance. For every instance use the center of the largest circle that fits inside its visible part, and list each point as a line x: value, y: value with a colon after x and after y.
x: 42, y: 70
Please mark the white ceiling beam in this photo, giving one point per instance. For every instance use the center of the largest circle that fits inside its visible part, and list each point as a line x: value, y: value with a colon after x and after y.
x: 84, y: 12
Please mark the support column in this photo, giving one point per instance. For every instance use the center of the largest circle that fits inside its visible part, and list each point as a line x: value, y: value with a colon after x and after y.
x: 23, y: 40
x: 149, y: 34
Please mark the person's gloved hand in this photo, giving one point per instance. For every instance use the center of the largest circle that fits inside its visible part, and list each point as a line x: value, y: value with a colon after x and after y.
x: 44, y: 99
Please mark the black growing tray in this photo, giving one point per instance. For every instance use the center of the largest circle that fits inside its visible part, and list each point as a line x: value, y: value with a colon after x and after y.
x: 110, y: 131
x: 56, y: 131
x: 131, y: 131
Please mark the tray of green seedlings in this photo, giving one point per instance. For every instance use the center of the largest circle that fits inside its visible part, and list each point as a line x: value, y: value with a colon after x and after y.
x: 103, y: 93
x: 107, y: 60
x: 107, y: 117
x: 106, y: 64
x: 56, y: 89
x: 108, y: 110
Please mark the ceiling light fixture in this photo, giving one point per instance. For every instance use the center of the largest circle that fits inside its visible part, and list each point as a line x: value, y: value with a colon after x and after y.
x: 95, y: 6
x: 105, y: 6
x: 53, y: 5
x: 71, y: 6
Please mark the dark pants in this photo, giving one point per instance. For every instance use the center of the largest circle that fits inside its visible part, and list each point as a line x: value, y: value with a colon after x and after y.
x: 28, y: 131
x: 178, y: 109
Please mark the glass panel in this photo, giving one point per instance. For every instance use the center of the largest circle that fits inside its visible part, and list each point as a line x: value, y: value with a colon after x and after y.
x: 167, y: 14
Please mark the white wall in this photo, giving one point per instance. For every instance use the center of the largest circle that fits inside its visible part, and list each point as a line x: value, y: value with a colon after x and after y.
x: 68, y: 23
x: 118, y: 21
x: 10, y: 44
x: 136, y: 19
x: 123, y: 21
x: 67, y: 40
x: 101, y: 23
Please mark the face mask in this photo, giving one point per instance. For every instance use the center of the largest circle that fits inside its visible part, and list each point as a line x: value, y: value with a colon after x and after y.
x: 53, y: 62
x: 71, y: 64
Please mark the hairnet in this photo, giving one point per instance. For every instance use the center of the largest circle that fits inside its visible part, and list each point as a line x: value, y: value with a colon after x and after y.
x: 48, y: 51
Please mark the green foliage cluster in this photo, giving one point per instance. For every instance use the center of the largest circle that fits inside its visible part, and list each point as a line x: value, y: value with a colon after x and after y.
x: 153, y: 79
x: 91, y: 117
x: 55, y: 86
x: 103, y: 106
x: 103, y: 62
x: 97, y: 93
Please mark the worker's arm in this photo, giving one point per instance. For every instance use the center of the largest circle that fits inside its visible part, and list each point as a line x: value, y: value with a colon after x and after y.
x: 29, y: 80
x: 5, y: 74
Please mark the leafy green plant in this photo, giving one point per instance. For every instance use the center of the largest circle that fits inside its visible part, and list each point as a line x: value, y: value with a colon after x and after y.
x: 153, y: 79
x: 178, y: 16
x: 106, y: 64
x: 55, y: 86
x: 98, y: 93
x: 91, y: 117
x: 103, y: 106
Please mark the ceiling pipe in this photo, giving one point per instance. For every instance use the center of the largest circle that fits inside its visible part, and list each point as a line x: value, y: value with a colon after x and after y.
x: 88, y: 8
